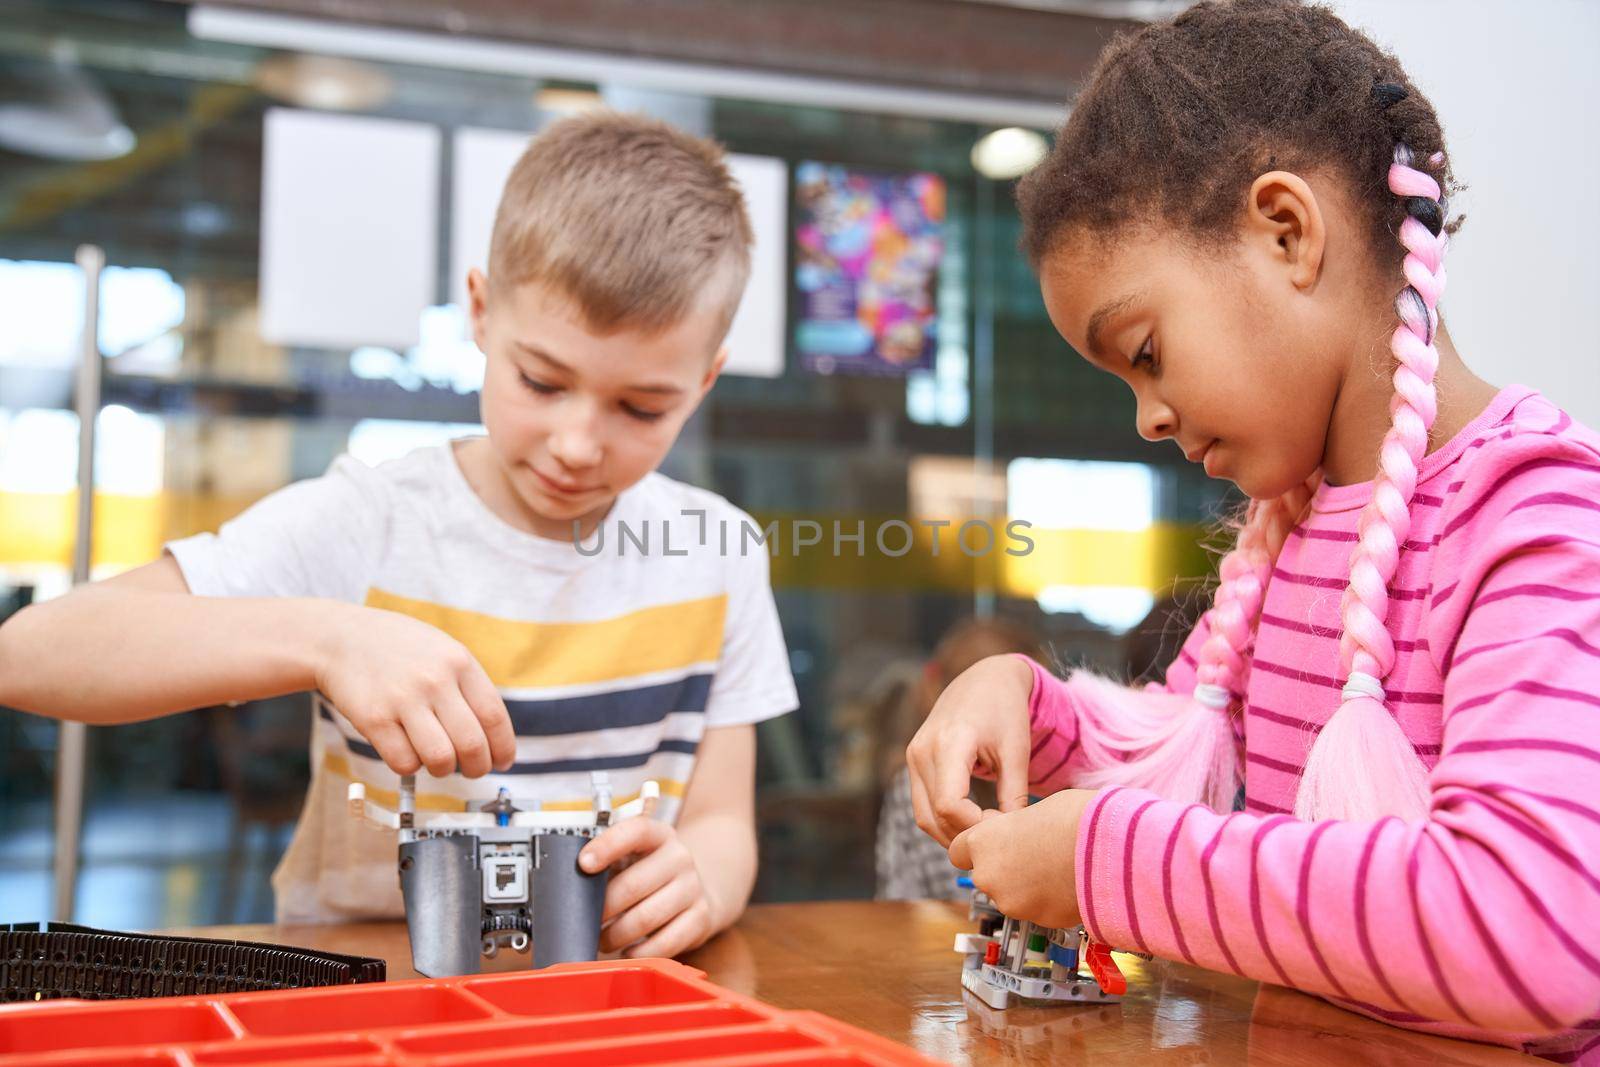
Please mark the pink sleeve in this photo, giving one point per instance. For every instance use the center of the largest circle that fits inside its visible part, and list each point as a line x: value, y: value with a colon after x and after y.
x: 1482, y: 921
x: 1063, y: 714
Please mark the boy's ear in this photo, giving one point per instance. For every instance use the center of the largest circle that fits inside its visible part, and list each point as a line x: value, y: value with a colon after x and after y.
x: 1283, y: 213
x: 478, y: 308
x: 713, y: 371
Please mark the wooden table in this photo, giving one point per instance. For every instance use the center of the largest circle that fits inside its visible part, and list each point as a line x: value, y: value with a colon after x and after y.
x: 889, y: 968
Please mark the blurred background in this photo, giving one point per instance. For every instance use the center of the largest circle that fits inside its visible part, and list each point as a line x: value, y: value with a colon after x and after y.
x: 275, y: 202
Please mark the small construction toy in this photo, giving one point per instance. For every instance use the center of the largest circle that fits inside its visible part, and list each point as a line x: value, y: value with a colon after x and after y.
x: 1009, y: 958
x: 476, y: 880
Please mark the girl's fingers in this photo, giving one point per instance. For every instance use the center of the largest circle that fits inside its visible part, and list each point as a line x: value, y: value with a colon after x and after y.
x: 952, y: 806
x: 1011, y: 777
x: 652, y: 913
x: 689, y: 930
x: 961, y: 850
x: 466, y: 735
x: 923, y: 808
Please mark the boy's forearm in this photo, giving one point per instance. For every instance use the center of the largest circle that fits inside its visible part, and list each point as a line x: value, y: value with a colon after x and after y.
x: 109, y: 655
x: 723, y: 845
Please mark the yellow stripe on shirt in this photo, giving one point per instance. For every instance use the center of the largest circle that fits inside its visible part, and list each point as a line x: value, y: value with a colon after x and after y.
x: 528, y: 655
x: 334, y: 762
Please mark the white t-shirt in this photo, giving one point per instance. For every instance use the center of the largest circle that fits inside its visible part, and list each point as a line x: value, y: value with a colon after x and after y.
x: 615, y: 655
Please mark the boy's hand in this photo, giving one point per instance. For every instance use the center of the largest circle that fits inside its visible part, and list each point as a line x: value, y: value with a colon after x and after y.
x: 416, y: 694
x: 660, y: 898
x: 1026, y: 860
x: 980, y: 719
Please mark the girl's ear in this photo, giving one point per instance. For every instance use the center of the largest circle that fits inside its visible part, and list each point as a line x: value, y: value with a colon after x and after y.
x: 1282, y: 212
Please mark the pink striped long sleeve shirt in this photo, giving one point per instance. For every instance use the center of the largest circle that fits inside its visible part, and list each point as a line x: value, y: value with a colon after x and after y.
x: 1481, y: 922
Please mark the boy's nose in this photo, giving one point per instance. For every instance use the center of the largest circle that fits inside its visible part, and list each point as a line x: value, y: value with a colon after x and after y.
x: 576, y: 442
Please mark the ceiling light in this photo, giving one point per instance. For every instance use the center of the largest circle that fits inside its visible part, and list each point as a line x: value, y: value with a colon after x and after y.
x: 1009, y: 153
x: 568, y: 101
x: 329, y: 83
x: 56, y: 110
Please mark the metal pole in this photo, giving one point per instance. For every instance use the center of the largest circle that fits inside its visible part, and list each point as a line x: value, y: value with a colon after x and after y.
x: 983, y: 415
x: 72, y: 745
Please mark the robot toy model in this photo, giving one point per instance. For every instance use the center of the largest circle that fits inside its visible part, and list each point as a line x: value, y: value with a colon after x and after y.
x: 1009, y: 958
x: 476, y: 880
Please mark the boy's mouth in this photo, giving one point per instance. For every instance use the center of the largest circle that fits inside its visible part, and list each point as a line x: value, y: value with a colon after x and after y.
x: 560, y: 488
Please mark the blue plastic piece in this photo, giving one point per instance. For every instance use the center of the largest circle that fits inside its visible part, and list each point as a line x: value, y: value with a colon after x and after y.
x: 1067, y: 957
x: 964, y: 882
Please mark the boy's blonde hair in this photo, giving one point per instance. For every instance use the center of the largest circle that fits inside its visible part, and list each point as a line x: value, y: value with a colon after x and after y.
x: 638, y: 223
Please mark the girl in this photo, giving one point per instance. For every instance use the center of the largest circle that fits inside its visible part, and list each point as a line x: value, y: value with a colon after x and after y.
x: 1408, y: 664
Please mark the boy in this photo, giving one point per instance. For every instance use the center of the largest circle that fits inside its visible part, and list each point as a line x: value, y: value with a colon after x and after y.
x: 438, y: 604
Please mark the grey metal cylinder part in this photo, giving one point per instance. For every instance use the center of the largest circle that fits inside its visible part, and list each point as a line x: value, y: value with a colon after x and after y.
x: 444, y: 904
x: 567, y: 903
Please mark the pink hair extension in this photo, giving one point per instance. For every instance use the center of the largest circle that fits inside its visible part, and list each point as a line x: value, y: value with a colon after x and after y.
x: 1184, y: 748
x: 1361, y: 766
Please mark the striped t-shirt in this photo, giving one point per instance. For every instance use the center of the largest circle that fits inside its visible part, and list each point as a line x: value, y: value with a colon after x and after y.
x: 616, y: 657
x: 1483, y: 921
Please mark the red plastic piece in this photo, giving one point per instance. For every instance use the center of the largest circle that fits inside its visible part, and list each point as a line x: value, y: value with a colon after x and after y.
x: 991, y: 955
x: 614, y: 1012
x: 1105, y: 970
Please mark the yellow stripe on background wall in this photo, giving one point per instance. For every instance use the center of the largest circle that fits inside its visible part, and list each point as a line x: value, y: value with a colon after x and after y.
x: 520, y: 655
x: 39, y: 529
x: 36, y: 530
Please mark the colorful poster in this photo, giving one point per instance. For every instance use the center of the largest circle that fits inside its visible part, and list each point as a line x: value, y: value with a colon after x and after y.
x: 867, y: 262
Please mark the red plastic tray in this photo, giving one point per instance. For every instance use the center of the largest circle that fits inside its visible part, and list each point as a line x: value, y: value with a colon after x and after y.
x: 621, y: 1012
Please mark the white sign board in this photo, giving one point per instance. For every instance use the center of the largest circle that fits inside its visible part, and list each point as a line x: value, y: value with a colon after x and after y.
x: 756, y: 344
x: 483, y: 160
x: 349, y: 229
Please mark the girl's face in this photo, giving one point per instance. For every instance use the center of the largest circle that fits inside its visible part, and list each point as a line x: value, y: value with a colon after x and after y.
x: 1235, y: 354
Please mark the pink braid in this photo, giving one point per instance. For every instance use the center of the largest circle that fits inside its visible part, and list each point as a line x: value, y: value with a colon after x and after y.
x: 1183, y: 748
x: 1191, y: 755
x: 1361, y: 766
x: 1237, y: 606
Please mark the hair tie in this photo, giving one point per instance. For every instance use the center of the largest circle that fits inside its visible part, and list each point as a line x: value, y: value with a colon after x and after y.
x: 1361, y: 684
x: 1428, y: 212
x: 1389, y: 94
x: 1213, y: 696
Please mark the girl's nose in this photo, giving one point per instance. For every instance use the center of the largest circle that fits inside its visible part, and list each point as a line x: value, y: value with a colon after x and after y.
x: 1155, y: 419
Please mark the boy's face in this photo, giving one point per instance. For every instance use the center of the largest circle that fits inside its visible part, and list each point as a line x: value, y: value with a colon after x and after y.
x: 575, y: 417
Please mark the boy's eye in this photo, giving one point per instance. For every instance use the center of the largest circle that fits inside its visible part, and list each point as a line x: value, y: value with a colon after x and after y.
x: 641, y: 414
x: 1146, y: 355
x: 542, y: 388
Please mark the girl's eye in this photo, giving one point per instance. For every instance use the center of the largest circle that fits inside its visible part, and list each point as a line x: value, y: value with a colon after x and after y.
x: 1146, y: 355
x: 542, y: 388
x: 641, y: 414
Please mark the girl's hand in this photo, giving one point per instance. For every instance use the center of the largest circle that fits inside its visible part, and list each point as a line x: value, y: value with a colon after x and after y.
x: 981, y: 719
x: 1026, y: 860
x: 415, y: 693
x: 658, y: 906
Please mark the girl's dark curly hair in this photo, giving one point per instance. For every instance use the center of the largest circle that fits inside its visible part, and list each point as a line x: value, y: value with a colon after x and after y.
x: 1180, y: 117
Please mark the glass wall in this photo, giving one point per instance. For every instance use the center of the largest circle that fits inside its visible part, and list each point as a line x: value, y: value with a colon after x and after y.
x: 161, y: 166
